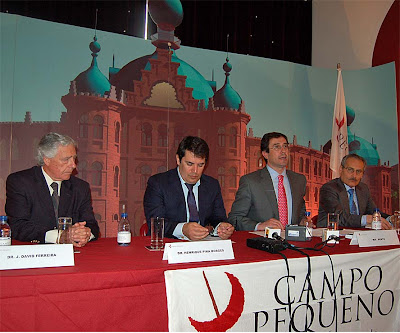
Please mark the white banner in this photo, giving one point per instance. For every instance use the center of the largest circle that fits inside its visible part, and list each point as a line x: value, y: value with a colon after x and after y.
x: 339, y: 139
x: 360, y: 294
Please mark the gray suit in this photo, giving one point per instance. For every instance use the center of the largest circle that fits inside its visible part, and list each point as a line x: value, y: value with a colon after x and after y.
x: 333, y: 197
x: 256, y: 200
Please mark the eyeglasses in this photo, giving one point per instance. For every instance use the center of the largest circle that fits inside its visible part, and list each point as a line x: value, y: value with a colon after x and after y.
x: 351, y: 170
x: 278, y: 146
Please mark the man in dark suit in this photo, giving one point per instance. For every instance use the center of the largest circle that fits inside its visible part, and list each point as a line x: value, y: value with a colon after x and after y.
x: 273, y: 196
x: 349, y: 196
x: 37, y: 196
x: 187, y: 199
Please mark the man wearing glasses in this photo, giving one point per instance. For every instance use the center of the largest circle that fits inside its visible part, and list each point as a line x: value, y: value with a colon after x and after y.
x: 273, y: 196
x: 349, y: 196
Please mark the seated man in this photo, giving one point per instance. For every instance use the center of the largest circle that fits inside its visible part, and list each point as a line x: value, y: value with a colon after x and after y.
x: 273, y: 196
x: 37, y: 196
x: 349, y: 196
x: 187, y: 199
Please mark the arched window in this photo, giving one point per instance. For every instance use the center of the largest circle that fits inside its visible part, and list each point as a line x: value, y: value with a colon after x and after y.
x: 3, y: 150
x: 315, y: 194
x: 178, y: 135
x: 232, y: 137
x: 146, y: 134
x: 319, y: 168
x: 221, y: 137
x: 116, y: 176
x: 98, y: 123
x: 162, y: 136
x: 307, y: 193
x: 232, y: 177
x: 82, y: 170
x: 326, y: 170
x: 221, y: 176
x: 145, y: 173
x: 301, y: 164
x: 96, y: 174
x: 83, y: 126
x: 14, y: 149
x: 307, y: 168
x: 117, y: 132
x: 161, y: 168
x: 315, y: 168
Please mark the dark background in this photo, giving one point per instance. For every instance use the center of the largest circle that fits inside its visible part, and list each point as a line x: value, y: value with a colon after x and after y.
x: 272, y: 29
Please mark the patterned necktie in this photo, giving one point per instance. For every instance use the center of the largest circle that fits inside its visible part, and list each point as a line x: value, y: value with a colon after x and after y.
x: 352, y: 204
x: 55, y: 198
x: 282, y: 202
x: 193, y: 213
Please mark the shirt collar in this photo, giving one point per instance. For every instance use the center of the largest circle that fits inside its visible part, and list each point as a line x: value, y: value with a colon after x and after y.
x: 274, y: 174
x: 349, y: 187
x: 49, y: 180
x: 183, y: 182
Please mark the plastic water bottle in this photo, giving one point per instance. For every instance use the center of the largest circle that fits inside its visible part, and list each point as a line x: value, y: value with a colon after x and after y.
x: 307, y: 218
x: 124, y: 229
x: 376, y: 220
x: 5, y: 231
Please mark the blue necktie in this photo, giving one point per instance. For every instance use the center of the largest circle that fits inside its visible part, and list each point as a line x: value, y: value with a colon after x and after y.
x: 193, y: 213
x: 353, y: 208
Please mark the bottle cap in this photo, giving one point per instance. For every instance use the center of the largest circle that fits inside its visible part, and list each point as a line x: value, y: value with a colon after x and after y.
x: 124, y: 215
x: 307, y: 214
x: 3, y: 218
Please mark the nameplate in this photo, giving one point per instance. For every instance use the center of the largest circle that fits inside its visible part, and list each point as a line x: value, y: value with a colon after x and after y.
x: 198, y: 251
x: 35, y: 256
x: 375, y: 238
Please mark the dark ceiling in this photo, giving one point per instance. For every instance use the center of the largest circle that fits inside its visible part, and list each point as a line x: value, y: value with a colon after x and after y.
x: 272, y: 29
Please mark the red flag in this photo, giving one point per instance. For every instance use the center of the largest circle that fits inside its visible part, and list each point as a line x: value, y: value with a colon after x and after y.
x: 340, y: 147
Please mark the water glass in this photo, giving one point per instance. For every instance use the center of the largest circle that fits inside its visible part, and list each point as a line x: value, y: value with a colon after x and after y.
x: 157, y: 233
x: 64, y: 230
x: 333, y: 221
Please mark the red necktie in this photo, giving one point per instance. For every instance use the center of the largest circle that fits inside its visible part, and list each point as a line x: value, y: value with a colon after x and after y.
x: 282, y: 202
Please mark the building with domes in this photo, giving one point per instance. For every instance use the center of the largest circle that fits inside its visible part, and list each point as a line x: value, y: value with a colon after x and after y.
x: 128, y: 127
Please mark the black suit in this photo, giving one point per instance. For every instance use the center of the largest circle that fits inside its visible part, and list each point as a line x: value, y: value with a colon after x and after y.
x: 164, y: 197
x: 333, y: 197
x: 30, y: 208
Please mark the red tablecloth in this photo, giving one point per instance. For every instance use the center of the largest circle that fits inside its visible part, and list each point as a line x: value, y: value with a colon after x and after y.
x: 110, y: 288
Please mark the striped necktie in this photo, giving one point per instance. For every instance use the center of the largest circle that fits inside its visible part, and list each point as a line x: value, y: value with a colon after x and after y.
x: 55, y: 198
x: 352, y: 204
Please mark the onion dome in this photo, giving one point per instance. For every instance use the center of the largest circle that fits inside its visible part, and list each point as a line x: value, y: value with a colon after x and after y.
x: 166, y: 14
x: 132, y: 71
x: 227, y: 97
x: 92, y: 80
x: 363, y: 148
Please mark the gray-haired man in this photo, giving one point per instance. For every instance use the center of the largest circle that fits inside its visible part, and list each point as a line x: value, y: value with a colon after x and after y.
x: 32, y: 193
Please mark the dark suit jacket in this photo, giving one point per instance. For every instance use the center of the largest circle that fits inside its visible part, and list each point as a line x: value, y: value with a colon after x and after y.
x: 256, y: 200
x: 30, y: 208
x: 333, y: 198
x: 164, y: 197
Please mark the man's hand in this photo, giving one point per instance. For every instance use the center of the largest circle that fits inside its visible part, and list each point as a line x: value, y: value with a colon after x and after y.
x: 271, y: 223
x: 80, y: 234
x: 307, y: 223
x: 225, y: 230
x: 194, y: 231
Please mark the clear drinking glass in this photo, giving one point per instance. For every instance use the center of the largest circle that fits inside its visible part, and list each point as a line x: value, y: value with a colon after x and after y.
x: 157, y: 233
x: 64, y: 230
x: 333, y: 221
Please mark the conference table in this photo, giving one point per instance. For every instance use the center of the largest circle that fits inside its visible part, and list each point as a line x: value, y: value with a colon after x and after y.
x: 112, y: 287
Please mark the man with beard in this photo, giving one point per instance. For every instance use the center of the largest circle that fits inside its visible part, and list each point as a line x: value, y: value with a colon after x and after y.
x: 349, y: 196
x: 273, y: 196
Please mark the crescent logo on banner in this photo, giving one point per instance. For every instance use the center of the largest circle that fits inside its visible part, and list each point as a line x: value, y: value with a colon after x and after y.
x: 232, y: 313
